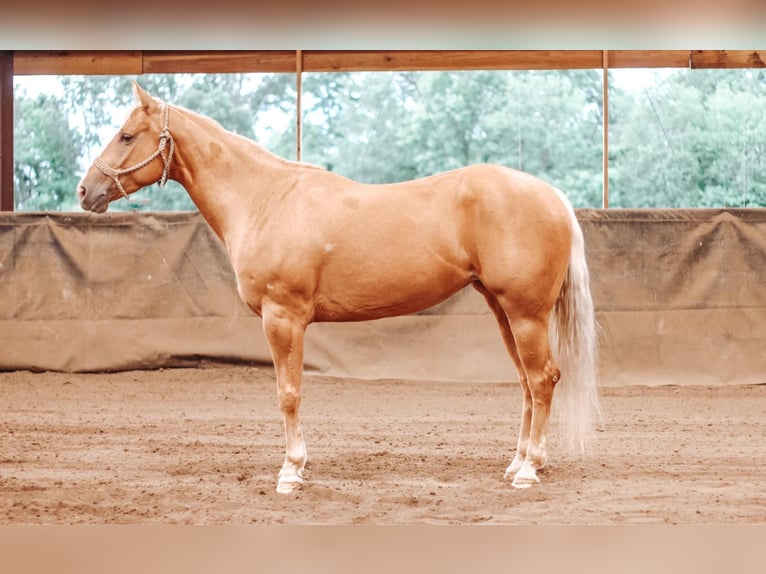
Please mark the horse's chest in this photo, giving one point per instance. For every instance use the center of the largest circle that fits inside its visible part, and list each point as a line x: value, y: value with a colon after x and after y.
x: 287, y: 285
x: 247, y: 297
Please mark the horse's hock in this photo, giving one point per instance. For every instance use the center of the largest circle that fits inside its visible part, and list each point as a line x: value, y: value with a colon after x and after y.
x: 679, y: 299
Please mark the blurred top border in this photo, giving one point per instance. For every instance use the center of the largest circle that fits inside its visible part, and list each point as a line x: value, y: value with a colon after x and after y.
x: 376, y: 25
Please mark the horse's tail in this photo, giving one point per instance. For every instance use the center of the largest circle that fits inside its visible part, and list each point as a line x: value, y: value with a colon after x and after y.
x: 574, y: 337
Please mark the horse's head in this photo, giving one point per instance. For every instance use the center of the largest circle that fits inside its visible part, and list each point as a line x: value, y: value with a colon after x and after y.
x: 138, y: 155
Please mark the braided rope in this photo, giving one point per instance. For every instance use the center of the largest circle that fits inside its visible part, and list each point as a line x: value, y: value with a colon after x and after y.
x: 165, y: 137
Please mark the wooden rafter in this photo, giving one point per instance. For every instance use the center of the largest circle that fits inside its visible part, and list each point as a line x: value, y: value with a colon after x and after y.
x: 141, y: 62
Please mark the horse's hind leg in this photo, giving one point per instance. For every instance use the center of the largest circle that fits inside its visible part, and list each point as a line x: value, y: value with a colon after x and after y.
x: 531, y: 336
x: 526, y: 408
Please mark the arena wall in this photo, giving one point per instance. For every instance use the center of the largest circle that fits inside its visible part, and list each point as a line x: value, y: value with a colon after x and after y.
x: 680, y: 298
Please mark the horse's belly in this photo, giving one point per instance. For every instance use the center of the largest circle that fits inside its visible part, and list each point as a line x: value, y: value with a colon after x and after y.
x: 364, y: 296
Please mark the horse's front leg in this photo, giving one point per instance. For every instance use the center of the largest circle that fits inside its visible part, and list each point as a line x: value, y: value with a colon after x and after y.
x: 285, y: 333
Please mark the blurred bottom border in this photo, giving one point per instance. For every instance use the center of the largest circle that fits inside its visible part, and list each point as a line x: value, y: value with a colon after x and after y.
x: 384, y: 549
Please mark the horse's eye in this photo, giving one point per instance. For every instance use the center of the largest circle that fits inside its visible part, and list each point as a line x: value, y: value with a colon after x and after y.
x: 125, y: 137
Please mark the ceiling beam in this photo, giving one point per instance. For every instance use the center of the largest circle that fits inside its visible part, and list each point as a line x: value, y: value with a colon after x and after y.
x: 213, y: 62
x: 64, y: 63
x: 649, y: 58
x: 425, y: 60
x: 168, y: 62
x: 728, y: 58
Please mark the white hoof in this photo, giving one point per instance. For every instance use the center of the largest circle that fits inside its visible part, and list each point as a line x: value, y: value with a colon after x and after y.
x: 522, y: 483
x: 290, y: 479
x: 525, y: 477
x: 514, y: 467
x: 287, y: 486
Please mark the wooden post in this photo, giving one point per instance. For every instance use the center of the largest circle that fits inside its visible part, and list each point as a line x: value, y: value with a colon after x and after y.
x: 6, y: 131
x: 605, y: 167
x: 298, y: 97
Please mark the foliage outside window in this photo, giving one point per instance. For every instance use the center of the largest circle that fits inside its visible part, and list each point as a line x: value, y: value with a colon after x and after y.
x: 693, y: 138
x: 687, y: 139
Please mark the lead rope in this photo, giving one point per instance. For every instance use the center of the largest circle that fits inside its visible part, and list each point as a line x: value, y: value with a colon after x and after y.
x: 165, y: 137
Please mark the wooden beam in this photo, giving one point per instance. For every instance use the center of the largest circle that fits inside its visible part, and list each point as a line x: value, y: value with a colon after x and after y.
x: 76, y: 62
x: 728, y: 59
x: 168, y: 62
x: 428, y: 60
x: 272, y: 61
x: 6, y: 131
x: 649, y: 58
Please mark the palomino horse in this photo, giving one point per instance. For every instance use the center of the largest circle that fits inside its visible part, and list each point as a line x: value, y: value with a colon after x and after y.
x: 309, y: 245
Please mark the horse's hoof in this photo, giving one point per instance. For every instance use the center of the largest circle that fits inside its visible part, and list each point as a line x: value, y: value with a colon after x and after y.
x: 524, y: 480
x: 522, y: 484
x: 289, y: 486
x: 513, y: 469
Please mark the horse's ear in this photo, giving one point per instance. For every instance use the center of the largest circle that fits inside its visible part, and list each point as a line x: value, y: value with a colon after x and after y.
x: 143, y: 97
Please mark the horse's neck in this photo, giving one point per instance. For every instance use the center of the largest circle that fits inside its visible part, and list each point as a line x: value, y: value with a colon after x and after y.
x: 229, y: 178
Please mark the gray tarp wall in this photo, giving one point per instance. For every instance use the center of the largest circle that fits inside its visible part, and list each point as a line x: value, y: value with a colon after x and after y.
x: 680, y: 297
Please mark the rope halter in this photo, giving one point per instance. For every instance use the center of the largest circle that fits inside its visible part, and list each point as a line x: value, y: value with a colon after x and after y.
x: 165, y: 137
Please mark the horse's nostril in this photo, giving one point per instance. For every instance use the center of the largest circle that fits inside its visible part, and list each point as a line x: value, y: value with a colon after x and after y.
x: 81, y: 191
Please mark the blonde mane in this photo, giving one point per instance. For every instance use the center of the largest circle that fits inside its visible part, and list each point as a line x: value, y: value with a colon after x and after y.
x: 259, y: 147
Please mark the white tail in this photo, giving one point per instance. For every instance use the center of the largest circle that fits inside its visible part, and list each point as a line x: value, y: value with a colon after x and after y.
x: 574, y: 340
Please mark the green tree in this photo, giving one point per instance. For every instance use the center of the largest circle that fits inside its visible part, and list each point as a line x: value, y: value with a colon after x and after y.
x: 652, y: 161
x: 45, y: 155
x: 735, y: 174
x: 356, y: 124
x: 696, y: 139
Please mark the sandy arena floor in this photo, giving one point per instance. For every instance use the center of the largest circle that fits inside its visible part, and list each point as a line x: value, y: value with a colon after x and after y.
x: 203, y: 446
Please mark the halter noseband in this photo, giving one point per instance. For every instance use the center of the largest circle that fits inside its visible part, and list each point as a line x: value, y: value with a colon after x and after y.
x: 165, y: 137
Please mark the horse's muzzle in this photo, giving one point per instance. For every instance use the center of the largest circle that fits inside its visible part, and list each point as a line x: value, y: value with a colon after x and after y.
x: 92, y: 201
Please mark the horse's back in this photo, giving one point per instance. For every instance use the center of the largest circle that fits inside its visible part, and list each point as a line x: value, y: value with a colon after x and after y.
x: 464, y: 215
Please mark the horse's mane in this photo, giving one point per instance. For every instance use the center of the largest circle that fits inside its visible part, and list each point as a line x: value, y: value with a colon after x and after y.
x: 261, y: 149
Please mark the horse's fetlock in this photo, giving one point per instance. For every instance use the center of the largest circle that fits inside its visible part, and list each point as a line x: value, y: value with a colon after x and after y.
x: 537, y: 456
